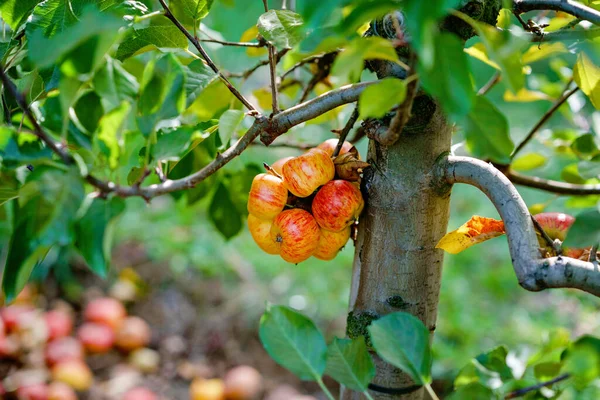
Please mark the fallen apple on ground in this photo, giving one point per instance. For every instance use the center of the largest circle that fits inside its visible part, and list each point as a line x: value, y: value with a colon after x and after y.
x: 96, y: 338
x: 107, y: 311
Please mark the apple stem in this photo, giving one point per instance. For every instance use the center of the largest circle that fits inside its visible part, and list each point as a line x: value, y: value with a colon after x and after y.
x: 556, y: 246
x: 271, y: 170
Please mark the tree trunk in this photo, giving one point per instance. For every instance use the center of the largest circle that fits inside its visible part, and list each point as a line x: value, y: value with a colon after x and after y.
x: 396, y: 265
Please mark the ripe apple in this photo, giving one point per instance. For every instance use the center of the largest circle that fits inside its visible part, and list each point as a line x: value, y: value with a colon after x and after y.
x: 304, y: 174
x: 207, y: 389
x: 242, y: 383
x: 62, y: 349
x: 12, y: 314
x: 61, y: 391
x: 331, y: 243
x: 268, y: 196
x: 105, y: 310
x: 96, y: 338
x: 337, y: 205
x: 38, y: 391
x: 278, y: 165
x: 133, y: 334
x: 74, y: 373
x: 59, y: 323
x: 556, y: 225
x: 10, y: 346
x: 330, y: 144
x: 260, y: 229
x: 139, y: 393
x: 146, y: 360
x: 297, y: 234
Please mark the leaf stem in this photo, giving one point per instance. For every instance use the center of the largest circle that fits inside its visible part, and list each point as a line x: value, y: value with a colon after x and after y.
x: 324, y: 388
x: 431, y: 392
x: 367, y: 395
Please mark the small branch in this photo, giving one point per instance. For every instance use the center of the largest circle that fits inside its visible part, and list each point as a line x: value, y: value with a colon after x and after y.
x: 345, y: 131
x: 234, y: 44
x: 324, y: 64
x: 291, y: 145
x: 551, y: 243
x: 557, y: 187
x: 490, y: 84
x: 533, y: 272
x: 272, y: 70
x: 544, y: 119
x: 572, y: 7
x: 206, y: 57
x: 308, y: 60
x: 246, y: 74
x: 524, y: 391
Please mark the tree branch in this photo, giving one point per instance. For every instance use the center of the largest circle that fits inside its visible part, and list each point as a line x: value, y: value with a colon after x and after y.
x: 566, y: 35
x: 544, y: 119
x: 345, y: 131
x: 272, y: 70
x: 572, y: 7
x: 206, y: 57
x: 525, y: 390
x: 234, y: 44
x: 557, y: 187
x: 533, y: 272
x: 497, y: 77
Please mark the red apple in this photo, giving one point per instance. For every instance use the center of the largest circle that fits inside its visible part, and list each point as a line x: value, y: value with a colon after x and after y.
x: 278, y: 165
x: 10, y: 346
x: 330, y: 145
x: 207, y: 389
x: 555, y: 224
x: 304, y: 174
x: 260, y: 229
x: 96, y: 338
x: 337, y: 205
x: 297, y: 234
x: 74, y: 373
x: 268, y: 196
x: 107, y: 311
x: 59, y: 323
x: 133, y: 334
x: 61, y: 391
x: 12, y: 314
x: 139, y: 393
x: 62, y: 349
x: 242, y: 383
x: 37, y: 391
x: 331, y: 243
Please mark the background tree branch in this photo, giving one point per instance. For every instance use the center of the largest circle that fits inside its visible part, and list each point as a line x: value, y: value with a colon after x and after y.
x: 533, y: 272
x: 557, y: 187
x: 572, y: 7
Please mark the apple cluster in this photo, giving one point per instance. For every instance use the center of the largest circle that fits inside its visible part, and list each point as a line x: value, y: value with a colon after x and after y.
x: 50, y: 351
x: 305, y: 206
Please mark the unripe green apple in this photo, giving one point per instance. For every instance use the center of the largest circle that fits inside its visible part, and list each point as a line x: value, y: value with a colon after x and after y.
x: 331, y: 243
x: 337, y: 205
x: 297, y: 234
x: 267, y: 197
x: 260, y: 229
x: 304, y: 174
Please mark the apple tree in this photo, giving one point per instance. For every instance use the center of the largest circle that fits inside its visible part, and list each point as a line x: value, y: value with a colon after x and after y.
x: 107, y: 100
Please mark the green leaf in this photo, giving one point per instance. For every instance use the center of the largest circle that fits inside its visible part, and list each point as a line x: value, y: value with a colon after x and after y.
x: 43, y: 217
x: 239, y: 183
x: 162, y: 93
x: 18, y: 149
x: 487, y: 133
x: 87, y: 112
x: 109, y: 133
x: 587, y: 77
x: 528, y: 162
x: 582, y: 361
x: 570, y: 174
x: 585, y: 231
x: 349, y: 363
x: 585, y: 145
x: 190, y: 12
x: 282, y: 28
x: 402, y: 340
x: 472, y: 391
x: 364, y: 12
x: 94, y: 232
x: 228, y: 124
x: 8, y: 188
x: 223, y: 213
x: 16, y: 12
x: 198, y: 77
x: 348, y: 66
x: 589, y: 169
x: 488, y: 369
x: 294, y: 342
x: 114, y: 84
x: 449, y: 78
x: 161, y: 34
x: 54, y: 16
x: 172, y: 144
x: 376, y: 100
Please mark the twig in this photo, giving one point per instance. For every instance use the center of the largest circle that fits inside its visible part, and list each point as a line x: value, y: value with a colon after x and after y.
x: 572, y: 7
x: 490, y: 84
x: 272, y: 70
x: 557, y: 187
x: 544, y: 119
x: 206, y: 57
x: 235, y: 44
x: 545, y: 236
x: 308, y: 60
x: 291, y: 145
x: 593, y: 257
x: 524, y: 391
x: 345, y: 131
x: 246, y: 74
x: 324, y: 64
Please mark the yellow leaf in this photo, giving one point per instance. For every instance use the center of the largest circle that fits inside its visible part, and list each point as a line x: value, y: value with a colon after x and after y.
x: 250, y: 35
x: 264, y: 97
x: 476, y: 230
x: 587, y: 77
x: 478, y: 51
x: 546, y: 50
x: 525, y: 96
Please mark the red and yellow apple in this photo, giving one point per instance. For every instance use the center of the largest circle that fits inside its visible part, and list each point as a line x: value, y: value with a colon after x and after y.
x: 74, y: 373
x: 38, y: 391
x: 242, y: 383
x: 133, y: 334
x: 331, y: 243
x: 62, y: 349
x: 260, y: 229
x: 207, y: 389
x: 268, y: 196
x: 556, y: 225
x: 330, y: 145
x: 61, y: 391
x: 304, y: 174
x: 297, y: 234
x: 337, y: 205
x: 278, y: 165
x: 96, y: 338
x: 59, y: 324
x: 107, y: 311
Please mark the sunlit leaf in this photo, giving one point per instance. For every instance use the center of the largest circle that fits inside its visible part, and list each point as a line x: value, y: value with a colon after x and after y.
x: 16, y: 12
x: 376, y: 100
x: 537, y: 53
x: 350, y: 63
x: 587, y: 77
x: 228, y: 124
x: 476, y: 230
x: 109, y: 131
x: 282, y: 28
x: 525, y: 96
x: 190, y: 12
x: 528, y: 162
x: 161, y: 33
